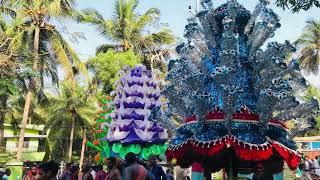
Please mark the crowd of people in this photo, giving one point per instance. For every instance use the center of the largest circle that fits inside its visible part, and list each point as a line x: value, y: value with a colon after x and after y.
x: 130, y: 169
x: 309, y: 168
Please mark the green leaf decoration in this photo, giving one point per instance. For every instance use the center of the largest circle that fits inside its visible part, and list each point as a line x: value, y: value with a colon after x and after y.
x: 123, y: 152
x: 116, y: 147
x: 135, y: 148
x: 106, y: 151
x: 155, y: 149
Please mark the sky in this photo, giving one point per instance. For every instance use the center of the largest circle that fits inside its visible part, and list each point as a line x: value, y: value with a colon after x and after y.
x: 174, y: 13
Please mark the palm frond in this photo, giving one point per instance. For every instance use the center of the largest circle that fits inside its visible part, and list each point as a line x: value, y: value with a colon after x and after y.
x: 129, y: 7
x: 312, y: 92
x: 65, y: 8
x: 163, y: 37
x: 92, y: 16
x: 309, y: 56
x: 148, y: 18
x: 49, y: 69
x: 79, y: 67
x: 3, y: 25
x: 111, y: 31
x: 70, y: 106
x: 103, y: 48
x: 77, y: 63
x: 61, y: 54
x: 17, y: 43
x: 57, y: 118
x: 85, y: 115
x: 8, y: 11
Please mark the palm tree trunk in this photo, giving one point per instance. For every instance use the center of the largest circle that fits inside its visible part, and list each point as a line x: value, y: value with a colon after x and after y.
x: 29, y: 94
x: 125, y: 46
x: 83, y: 147
x: 71, y: 140
x: 2, y: 117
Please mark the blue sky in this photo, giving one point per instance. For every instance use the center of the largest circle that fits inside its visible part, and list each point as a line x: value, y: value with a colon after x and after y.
x: 175, y: 13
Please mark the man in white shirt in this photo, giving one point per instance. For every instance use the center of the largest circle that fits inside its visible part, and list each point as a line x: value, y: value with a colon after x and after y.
x: 306, y: 170
x: 316, y: 167
x: 93, y: 172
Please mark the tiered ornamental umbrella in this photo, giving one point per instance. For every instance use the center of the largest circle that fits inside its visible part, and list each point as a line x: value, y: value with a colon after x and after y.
x: 137, y: 93
x: 233, y: 96
x: 100, y: 130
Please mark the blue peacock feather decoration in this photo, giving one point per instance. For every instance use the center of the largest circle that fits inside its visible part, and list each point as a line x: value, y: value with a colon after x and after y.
x: 228, y: 92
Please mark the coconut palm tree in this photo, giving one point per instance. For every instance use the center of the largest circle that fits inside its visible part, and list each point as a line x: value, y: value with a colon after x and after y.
x: 313, y: 93
x: 7, y: 88
x: 128, y: 30
x: 8, y: 65
x: 43, y: 46
x: 71, y: 110
x: 309, y: 55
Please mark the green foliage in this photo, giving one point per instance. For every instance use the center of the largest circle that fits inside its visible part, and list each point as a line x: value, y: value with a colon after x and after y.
x: 7, y: 86
x: 129, y: 30
x: 58, y: 142
x: 70, y: 106
x: 297, y: 5
x: 309, y: 56
x: 313, y: 92
x: 18, y: 38
x: 316, y: 130
x: 33, y: 37
x: 107, y: 65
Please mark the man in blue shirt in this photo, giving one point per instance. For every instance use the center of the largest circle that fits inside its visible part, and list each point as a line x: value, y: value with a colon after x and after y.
x: 156, y: 170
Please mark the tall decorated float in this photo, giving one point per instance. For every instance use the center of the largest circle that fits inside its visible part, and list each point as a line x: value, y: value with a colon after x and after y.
x: 137, y: 94
x: 231, y: 95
